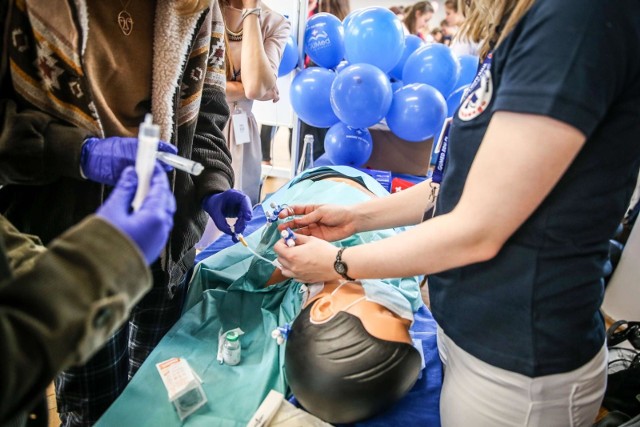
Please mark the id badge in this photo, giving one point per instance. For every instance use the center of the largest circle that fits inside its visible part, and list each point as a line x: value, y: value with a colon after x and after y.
x: 241, y: 127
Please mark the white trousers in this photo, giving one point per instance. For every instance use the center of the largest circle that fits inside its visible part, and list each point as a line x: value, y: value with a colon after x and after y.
x: 475, y: 393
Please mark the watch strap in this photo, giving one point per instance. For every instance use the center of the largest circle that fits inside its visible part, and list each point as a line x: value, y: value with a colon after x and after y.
x: 340, y: 261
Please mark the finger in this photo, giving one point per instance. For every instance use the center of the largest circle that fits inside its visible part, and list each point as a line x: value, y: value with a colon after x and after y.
x: 167, y: 148
x: 160, y: 195
x: 125, y: 189
x: 291, y: 211
x: 301, y: 239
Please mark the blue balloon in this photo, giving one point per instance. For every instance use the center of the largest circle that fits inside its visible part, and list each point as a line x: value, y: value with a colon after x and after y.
x: 417, y: 112
x: 341, y: 66
x: 348, y: 146
x: 396, y: 84
x: 435, y: 65
x: 289, y: 59
x: 310, y: 97
x: 361, y: 95
x: 324, y: 40
x: 468, y: 69
x: 374, y: 36
x: 454, y: 100
x: 323, y: 160
x: 411, y: 44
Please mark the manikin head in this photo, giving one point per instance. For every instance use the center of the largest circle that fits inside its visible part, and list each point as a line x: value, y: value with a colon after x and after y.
x: 347, y: 357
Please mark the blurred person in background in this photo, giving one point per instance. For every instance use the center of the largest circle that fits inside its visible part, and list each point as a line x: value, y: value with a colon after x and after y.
x: 416, y: 19
x: 255, y: 37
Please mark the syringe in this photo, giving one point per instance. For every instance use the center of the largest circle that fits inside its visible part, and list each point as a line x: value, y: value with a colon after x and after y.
x: 148, y: 137
x: 179, y: 162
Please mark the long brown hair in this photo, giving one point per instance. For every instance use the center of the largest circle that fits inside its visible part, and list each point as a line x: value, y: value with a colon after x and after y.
x: 338, y: 8
x: 410, y: 14
x: 489, y: 21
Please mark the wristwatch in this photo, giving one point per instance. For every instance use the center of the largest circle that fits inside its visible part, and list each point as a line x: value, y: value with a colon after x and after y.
x: 340, y: 266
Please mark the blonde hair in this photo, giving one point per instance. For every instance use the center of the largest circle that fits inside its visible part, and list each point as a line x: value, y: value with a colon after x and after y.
x: 189, y: 7
x: 489, y: 22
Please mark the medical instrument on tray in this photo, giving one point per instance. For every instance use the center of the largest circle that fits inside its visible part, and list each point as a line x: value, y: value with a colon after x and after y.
x: 148, y: 137
x: 181, y: 163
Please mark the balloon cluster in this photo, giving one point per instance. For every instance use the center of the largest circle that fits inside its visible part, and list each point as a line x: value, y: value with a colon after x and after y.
x: 369, y: 71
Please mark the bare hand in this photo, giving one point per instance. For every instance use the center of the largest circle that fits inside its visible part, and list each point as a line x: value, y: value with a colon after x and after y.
x: 310, y: 260
x: 326, y: 222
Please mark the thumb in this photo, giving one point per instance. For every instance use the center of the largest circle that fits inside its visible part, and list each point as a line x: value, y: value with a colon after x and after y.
x: 167, y: 148
x: 301, y: 239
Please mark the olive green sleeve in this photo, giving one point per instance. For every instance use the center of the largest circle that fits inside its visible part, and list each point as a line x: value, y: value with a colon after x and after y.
x: 65, y: 307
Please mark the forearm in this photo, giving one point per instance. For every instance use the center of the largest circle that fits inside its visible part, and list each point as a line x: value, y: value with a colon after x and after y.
x: 210, y: 146
x: 61, y: 311
x: 21, y: 249
x: 259, y: 77
x: 235, y: 92
x: 430, y: 247
x: 498, y: 198
x: 404, y: 208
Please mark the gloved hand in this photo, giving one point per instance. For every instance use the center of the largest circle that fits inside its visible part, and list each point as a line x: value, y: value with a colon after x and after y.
x: 150, y: 225
x: 103, y: 160
x: 229, y: 204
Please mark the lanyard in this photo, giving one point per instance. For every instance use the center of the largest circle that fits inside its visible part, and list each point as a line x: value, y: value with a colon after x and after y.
x: 443, y: 142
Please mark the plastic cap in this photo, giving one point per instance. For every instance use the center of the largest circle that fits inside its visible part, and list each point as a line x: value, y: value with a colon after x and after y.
x: 231, y: 336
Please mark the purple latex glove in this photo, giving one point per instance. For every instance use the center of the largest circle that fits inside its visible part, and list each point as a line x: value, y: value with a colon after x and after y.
x: 103, y: 160
x: 232, y: 204
x: 150, y: 225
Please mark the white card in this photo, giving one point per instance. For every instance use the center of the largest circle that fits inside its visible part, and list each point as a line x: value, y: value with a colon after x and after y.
x: 241, y: 128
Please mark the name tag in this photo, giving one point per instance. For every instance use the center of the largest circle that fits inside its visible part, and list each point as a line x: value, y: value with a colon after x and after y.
x: 241, y: 127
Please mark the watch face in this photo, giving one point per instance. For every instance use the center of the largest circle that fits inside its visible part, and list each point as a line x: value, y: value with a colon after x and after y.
x: 339, y: 266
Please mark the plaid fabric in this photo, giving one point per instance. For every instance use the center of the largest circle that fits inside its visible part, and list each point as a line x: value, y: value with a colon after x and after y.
x: 85, y: 392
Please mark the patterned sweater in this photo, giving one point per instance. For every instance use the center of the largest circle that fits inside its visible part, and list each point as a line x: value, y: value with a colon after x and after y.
x: 48, y: 111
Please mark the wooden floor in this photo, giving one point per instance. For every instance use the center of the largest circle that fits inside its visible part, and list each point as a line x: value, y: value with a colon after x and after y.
x: 54, y: 421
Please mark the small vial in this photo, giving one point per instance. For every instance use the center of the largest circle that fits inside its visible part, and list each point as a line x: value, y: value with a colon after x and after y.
x: 231, y: 348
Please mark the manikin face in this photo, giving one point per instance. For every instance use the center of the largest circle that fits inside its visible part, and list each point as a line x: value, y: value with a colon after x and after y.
x: 376, y: 319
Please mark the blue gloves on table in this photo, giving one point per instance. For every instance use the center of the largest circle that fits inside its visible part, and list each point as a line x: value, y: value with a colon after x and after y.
x: 150, y: 225
x: 103, y: 160
x: 232, y: 204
